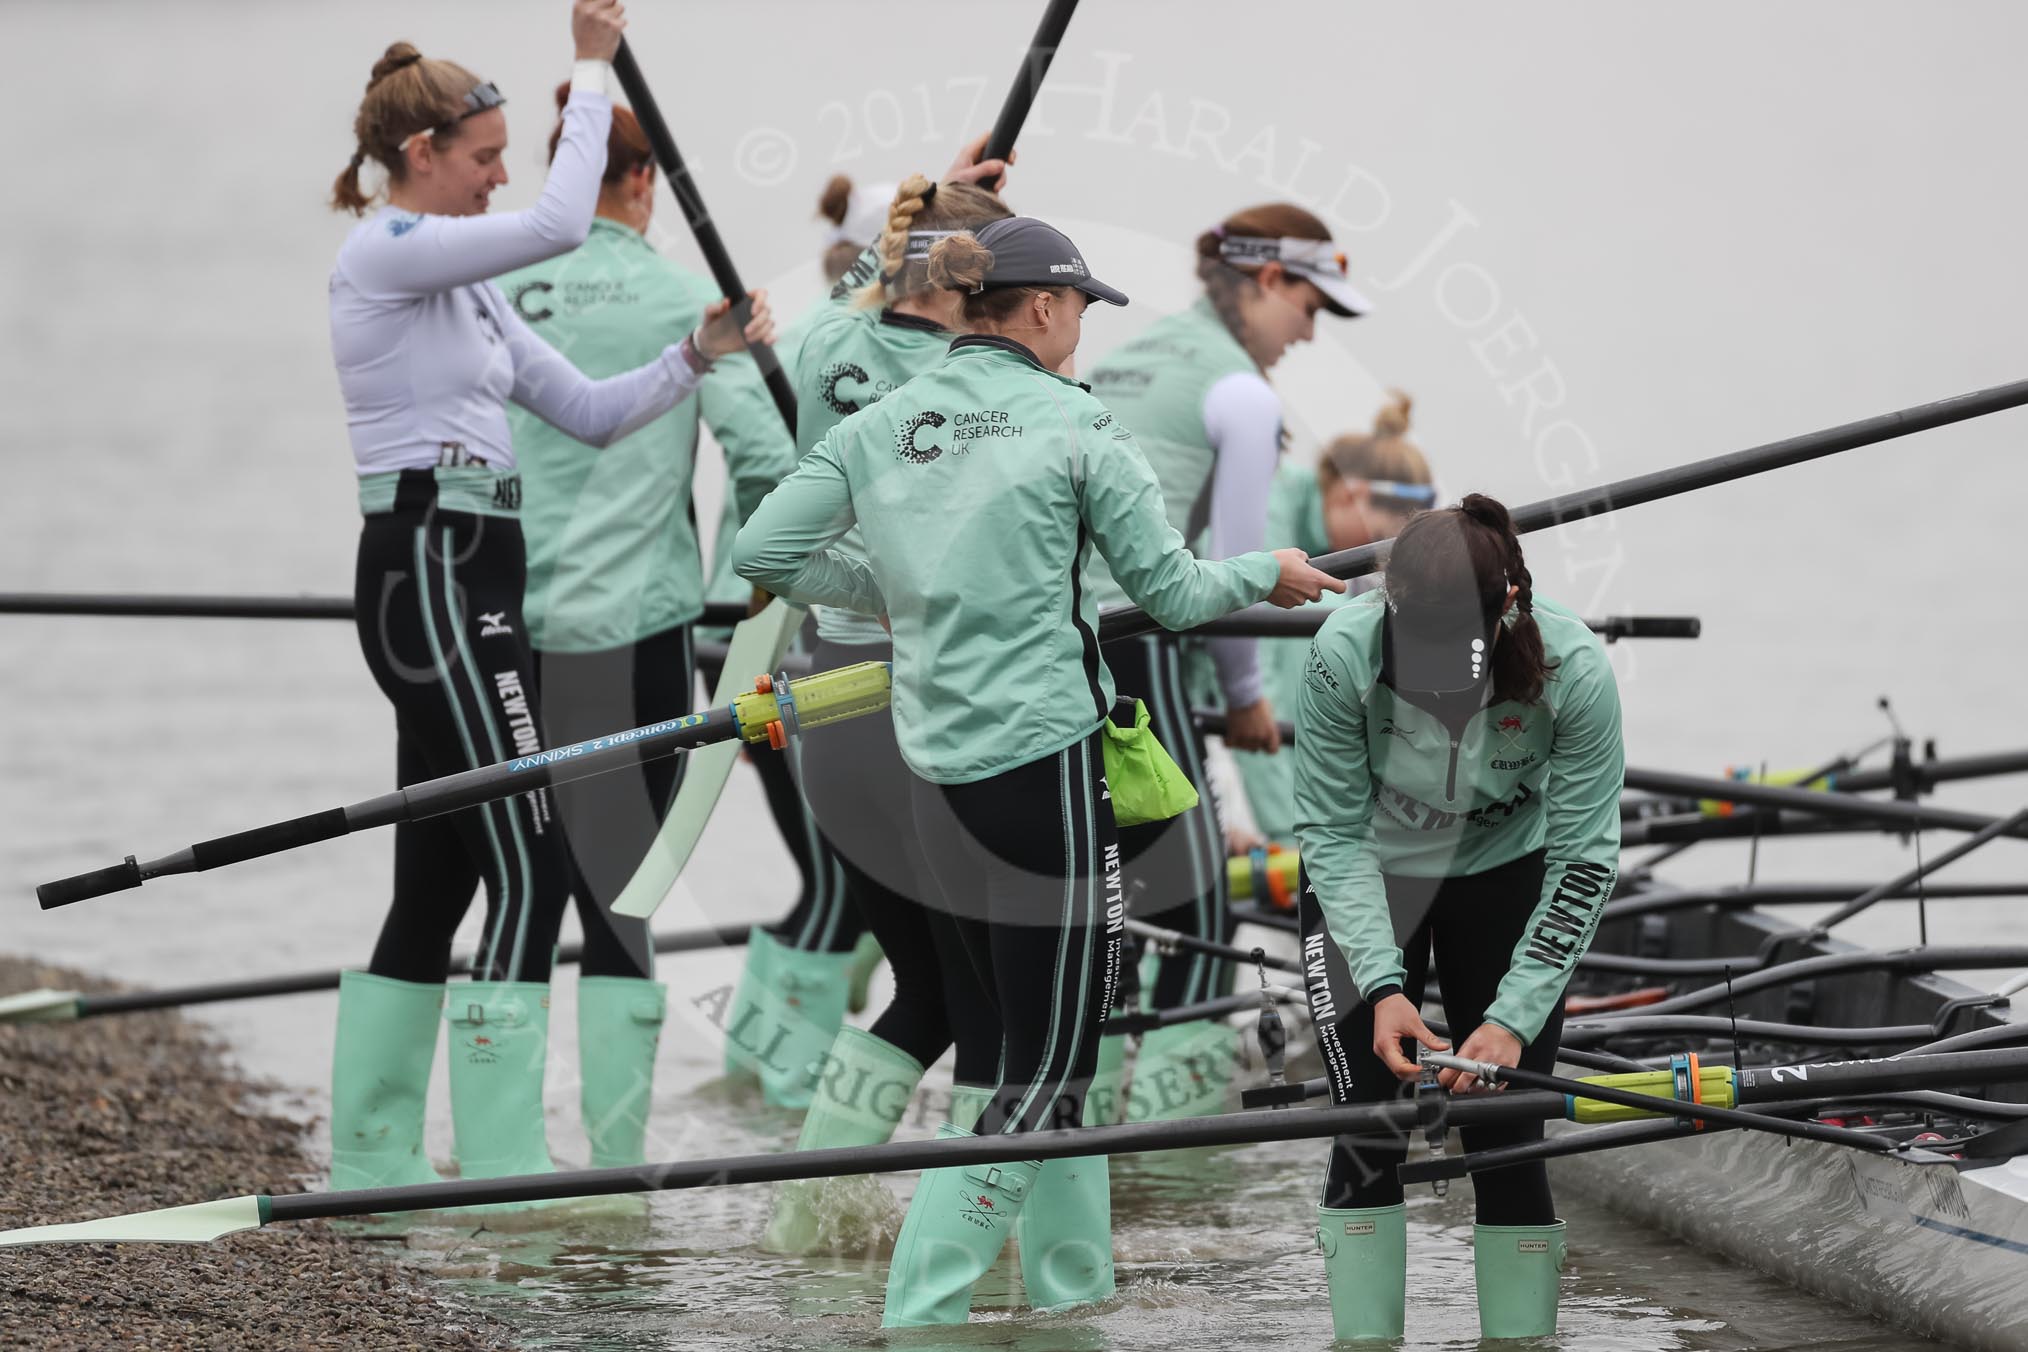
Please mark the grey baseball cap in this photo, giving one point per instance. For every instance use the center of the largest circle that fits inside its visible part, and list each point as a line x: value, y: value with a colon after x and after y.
x: 1028, y: 252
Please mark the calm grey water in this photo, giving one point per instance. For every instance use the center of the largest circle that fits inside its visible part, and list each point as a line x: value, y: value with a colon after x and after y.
x: 1602, y: 241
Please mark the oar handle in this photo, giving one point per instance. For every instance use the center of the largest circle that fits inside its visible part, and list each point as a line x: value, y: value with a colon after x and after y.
x: 84, y: 886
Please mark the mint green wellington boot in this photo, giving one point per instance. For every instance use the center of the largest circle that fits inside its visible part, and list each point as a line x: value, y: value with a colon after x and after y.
x: 1366, y: 1268
x: 1516, y: 1267
x: 866, y: 956
x: 619, y: 1027
x: 802, y: 1008
x: 1066, y: 1230
x: 380, y: 1079
x: 1105, y: 1103
x: 862, y: 1091
x: 957, y: 1225
x: 743, y: 1047
x: 498, y: 1050
x: 1184, y: 1070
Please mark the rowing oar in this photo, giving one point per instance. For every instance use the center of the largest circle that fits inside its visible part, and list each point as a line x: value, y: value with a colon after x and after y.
x: 1787, y: 894
x: 1028, y: 80
x: 205, y: 1221
x: 1125, y: 621
x: 702, y: 228
x: 58, y: 1006
x: 1815, y: 802
x: 236, y: 607
x: 760, y: 643
x: 1168, y: 941
x: 772, y: 713
x: 1265, y: 621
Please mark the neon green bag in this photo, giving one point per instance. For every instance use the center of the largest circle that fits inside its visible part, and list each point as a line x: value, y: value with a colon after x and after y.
x: 1145, y: 782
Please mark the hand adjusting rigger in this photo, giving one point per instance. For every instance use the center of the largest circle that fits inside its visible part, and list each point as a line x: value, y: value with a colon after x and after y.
x: 1432, y: 1114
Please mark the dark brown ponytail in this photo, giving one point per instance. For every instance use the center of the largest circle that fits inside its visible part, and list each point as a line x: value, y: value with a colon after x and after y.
x: 1430, y: 558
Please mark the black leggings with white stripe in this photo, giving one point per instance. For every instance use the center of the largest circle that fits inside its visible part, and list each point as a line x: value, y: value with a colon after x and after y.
x: 1028, y: 863
x: 1175, y: 868
x: 610, y: 821
x: 438, y: 596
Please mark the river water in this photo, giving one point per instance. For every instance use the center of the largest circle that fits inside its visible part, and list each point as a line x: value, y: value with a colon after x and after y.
x: 1602, y: 241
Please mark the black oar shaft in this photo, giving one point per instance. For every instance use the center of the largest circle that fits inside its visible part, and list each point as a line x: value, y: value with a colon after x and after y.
x: 1932, y: 958
x: 705, y: 230
x: 1266, y: 621
x: 1817, y: 802
x: 1911, y: 876
x: 236, y: 607
x: 1125, y: 621
x: 428, y: 799
x: 1028, y: 80
x: 1767, y: 1084
x: 1788, y: 894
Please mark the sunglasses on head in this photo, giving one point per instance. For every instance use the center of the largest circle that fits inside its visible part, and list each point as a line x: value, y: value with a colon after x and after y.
x: 481, y: 98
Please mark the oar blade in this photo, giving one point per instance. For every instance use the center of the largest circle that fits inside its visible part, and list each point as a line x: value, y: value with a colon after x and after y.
x: 199, y: 1223
x: 43, y: 1006
x: 757, y: 645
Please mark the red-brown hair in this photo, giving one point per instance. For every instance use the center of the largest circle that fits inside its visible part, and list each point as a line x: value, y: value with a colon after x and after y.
x: 1222, y: 280
x: 627, y: 147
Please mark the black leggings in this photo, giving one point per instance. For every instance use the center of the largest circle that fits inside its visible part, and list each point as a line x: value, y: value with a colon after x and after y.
x: 1474, y: 923
x: 610, y: 821
x: 438, y: 597
x: 1176, y: 868
x: 824, y: 919
x: 1030, y: 857
x: 860, y: 791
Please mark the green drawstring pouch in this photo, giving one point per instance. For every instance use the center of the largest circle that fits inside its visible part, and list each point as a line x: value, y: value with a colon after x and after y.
x: 1145, y: 781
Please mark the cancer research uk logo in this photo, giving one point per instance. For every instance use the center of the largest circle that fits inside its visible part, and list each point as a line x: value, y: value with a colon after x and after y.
x: 844, y: 384
x: 907, y: 443
x: 917, y: 446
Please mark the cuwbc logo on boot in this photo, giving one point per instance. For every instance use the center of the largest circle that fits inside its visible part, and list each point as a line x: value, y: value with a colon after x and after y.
x: 978, y: 1208
x: 481, y: 1051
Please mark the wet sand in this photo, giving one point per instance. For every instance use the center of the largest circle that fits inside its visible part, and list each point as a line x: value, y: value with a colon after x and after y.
x: 131, y: 1112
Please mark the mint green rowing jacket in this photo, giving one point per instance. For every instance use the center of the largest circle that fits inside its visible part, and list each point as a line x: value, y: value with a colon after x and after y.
x: 613, y: 553
x: 1382, y: 788
x: 850, y: 358
x: 981, y: 488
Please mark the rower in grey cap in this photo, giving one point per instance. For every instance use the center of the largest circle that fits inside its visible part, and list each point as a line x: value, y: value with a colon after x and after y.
x: 1194, y: 387
x: 980, y: 489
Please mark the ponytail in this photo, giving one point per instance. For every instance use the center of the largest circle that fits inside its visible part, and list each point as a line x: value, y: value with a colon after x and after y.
x: 1520, y: 662
x: 950, y: 209
x: 346, y: 194
x: 406, y: 93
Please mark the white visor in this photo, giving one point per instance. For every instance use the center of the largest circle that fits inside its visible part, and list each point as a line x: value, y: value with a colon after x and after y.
x: 1316, y: 261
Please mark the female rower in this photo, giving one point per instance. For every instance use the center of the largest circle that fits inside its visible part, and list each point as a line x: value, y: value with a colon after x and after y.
x: 979, y: 489
x: 1363, y: 488
x: 615, y: 581
x: 429, y: 355
x: 1458, y: 775
x: 1194, y: 388
x: 850, y: 357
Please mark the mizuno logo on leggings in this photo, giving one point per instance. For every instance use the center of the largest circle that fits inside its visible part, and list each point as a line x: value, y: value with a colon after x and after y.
x: 514, y: 703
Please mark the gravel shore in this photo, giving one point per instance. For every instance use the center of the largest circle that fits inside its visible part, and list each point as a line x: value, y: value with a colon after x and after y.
x: 127, y: 1113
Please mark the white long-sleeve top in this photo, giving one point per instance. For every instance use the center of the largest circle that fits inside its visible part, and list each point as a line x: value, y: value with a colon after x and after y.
x: 428, y: 350
x: 1243, y: 423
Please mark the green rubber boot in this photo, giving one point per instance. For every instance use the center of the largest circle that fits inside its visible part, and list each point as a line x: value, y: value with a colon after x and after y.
x: 380, y: 1079
x: 957, y: 1225
x: 866, y: 956
x: 863, y: 1090
x: 619, y: 1025
x: 1105, y: 1103
x: 1066, y: 1230
x: 802, y: 1008
x: 1516, y: 1267
x: 1184, y: 1070
x: 498, y: 1050
x: 743, y: 1015
x: 1366, y: 1268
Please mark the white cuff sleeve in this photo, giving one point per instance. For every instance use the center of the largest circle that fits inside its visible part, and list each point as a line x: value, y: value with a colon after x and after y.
x: 589, y: 77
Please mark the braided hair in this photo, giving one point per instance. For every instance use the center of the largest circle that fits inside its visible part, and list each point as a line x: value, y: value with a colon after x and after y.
x: 1431, y: 557
x: 920, y: 204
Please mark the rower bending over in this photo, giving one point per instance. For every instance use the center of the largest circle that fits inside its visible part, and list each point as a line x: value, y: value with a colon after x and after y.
x: 980, y: 489
x: 1458, y: 775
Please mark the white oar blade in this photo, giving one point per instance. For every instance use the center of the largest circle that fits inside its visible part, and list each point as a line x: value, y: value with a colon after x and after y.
x: 198, y: 1223
x: 43, y: 1006
x: 757, y: 645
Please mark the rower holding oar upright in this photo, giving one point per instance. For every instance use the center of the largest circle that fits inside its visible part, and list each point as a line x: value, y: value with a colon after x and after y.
x: 1194, y: 388
x: 615, y: 580
x: 429, y: 355
x: 1458, y: 776
x: 980, y: 489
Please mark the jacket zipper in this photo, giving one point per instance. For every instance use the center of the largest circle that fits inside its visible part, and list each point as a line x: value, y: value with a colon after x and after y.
x: 1451, y: 780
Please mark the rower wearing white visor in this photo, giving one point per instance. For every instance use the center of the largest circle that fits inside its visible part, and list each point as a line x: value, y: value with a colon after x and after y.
x: 1194, y: 389
x: 1458, y: 773
x: 429, y: 355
